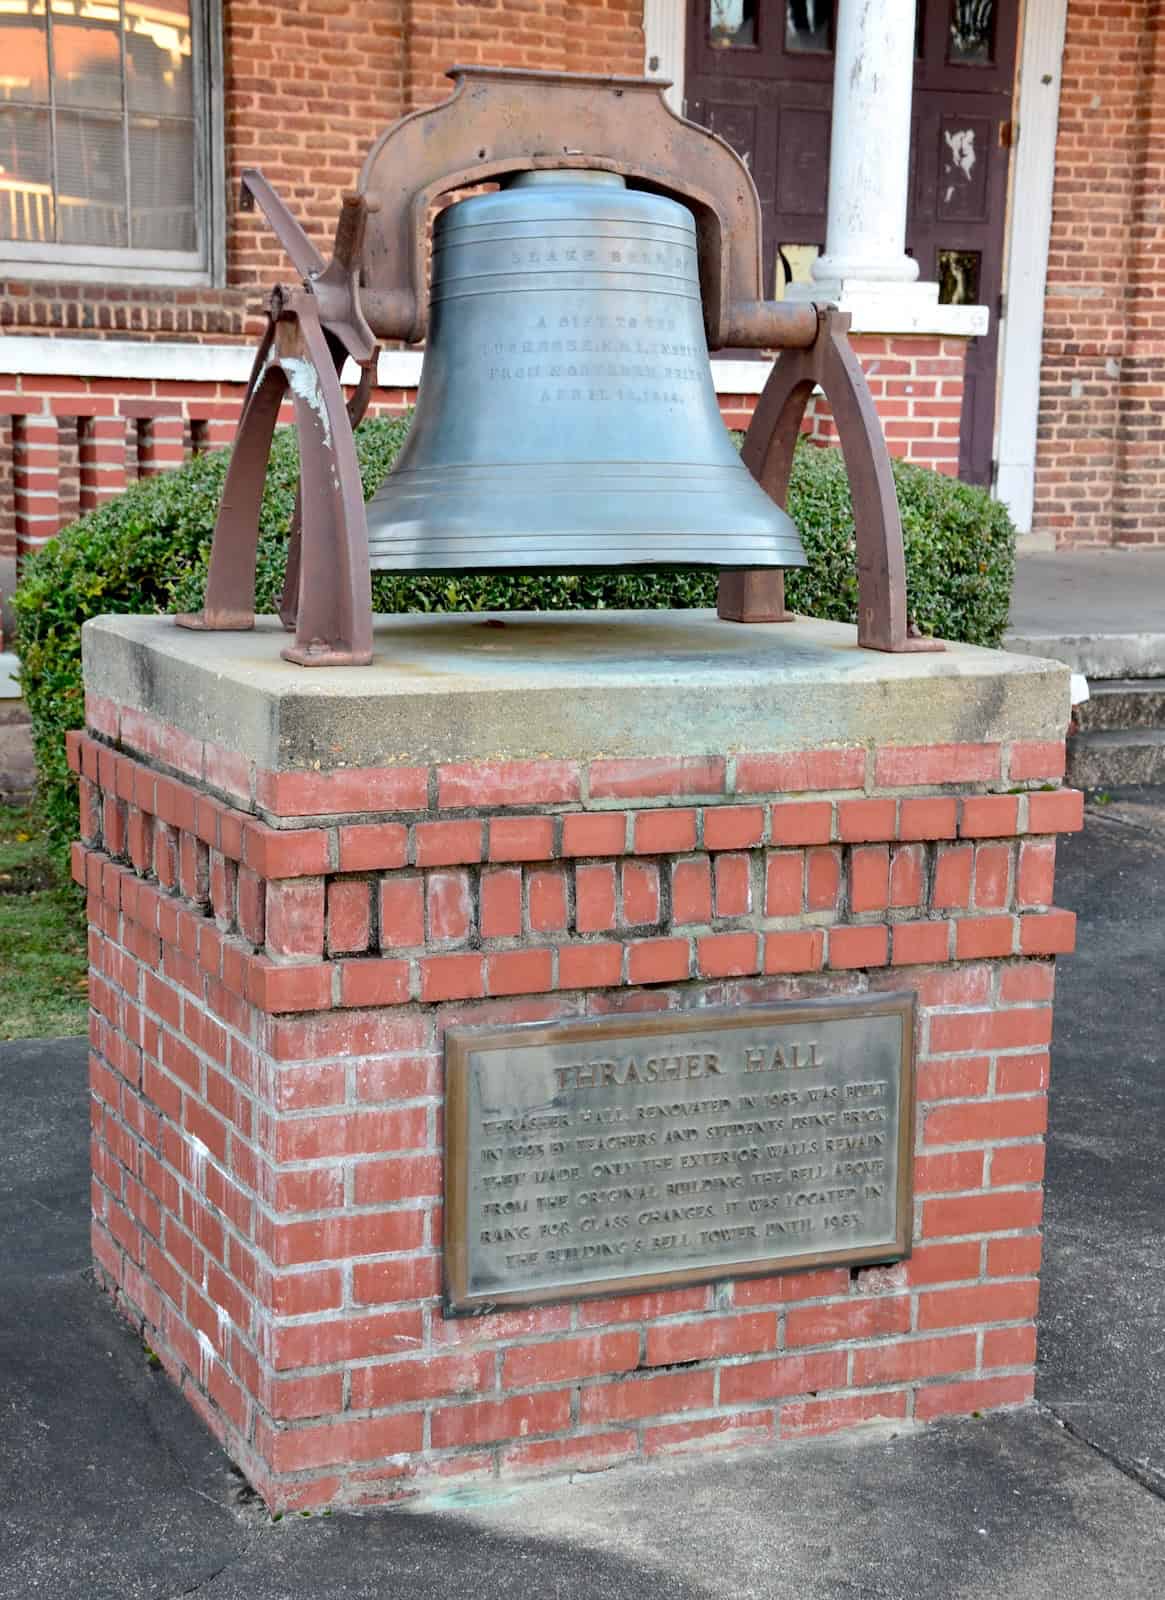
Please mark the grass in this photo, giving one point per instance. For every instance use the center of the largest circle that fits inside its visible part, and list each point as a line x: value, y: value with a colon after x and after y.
x: 43, y: 985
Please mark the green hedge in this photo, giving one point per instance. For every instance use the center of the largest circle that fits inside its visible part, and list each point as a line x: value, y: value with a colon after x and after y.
x: 148, y: 551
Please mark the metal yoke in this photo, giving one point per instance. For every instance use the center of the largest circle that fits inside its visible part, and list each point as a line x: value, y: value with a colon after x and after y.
x: 497, y: 122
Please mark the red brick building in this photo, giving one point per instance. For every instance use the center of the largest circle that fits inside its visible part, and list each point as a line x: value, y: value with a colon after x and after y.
x: 1029, y: 355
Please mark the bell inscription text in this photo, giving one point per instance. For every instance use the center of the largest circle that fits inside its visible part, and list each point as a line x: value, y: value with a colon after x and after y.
x: 633, y: 1152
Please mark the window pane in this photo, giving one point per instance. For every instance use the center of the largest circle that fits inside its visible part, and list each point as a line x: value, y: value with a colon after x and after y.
x: 958, y: 277
x: 158, y: 58
x: 161, y: 164
x: 808, y: 25
x: 731, y: 23
x: 87, y: 59
x: 24, y: 61
x: 91, y: 178
x: 972, y: 33
x: 26, y: 196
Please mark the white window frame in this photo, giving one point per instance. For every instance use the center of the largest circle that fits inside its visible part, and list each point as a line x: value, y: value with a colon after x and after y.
x: 206, y: 265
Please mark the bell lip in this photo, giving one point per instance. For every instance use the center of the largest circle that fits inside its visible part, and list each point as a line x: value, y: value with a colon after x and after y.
x: 556, y: 570
x: 560, y: 177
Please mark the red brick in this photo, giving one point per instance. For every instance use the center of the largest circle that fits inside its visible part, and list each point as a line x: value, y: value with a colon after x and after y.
x: 1014, y: 1258
x: 916, y: 1358
x: 589, y: 966
x: 1036, y: 872
x: 399, y: 1383
x: 310, y: 794
x: 787, y: 1375
x: 790, y: 1287
x: 651, y: 777
x: 567, y: 1360
x: 976, y: 1304
x: 989, y: 1119
x: 992, y: 876
x: 916, y: 943
x: 957, y: 1169
x: 710, y: 1338
x: 349, y: 915
x: 374, y: 982
x: 250, y: 893
x: 602, y: 834
x: 1061, y: 811
x: 728, y: 955
x: 977, y: 937
x: 802, y: 951
x: 639, y: 881
x: 643, y: 1307
x: 447, y: 844
x: 1009, y: 1347
x: 996, y: 1212
x: 1022, y: 1074
x: 691, y: 891
x: 647, y: 1397
x: 403, y: 1278
x: 452, y: 977
x: 951, y: 1080
x: 449, y: 902
x: 859, y: 947
x: 1048, y: 933
x: 292, y: 1399
x: 515, y: 1418
x: 349, y: 1133
x: 930, y: 818
x: 665, y: 832
x: 297, y: 988
x: 377, y: 1183
x: 907, y: 875
x: 784, y: 881
x: 903, y: 766
x: 823, y: 881
x: 402, y: 913
x: 1017, y: 1163
x: 869, y: 878
x: 547, y: 901
x: 594, y: 895
x: 801, y: 822
x: 507, y: 783
x: 501, y: 903
x: 989, y: 816
x: 373, y: 846
x: 579, y: 1454
x: 944, y: 1263
x: 952, y: 878
x: 332, y: 1237
x: 801, y: 771
x: 658, y: 960
x: 804, y: 1418
x: 291, y: 853
x: 991, y: 1030
x: 847, y: 1319
x: 519, y: 971
x: 360, y: 1439
x: 733, y: 827
x: 733, y: 885
x: 859, y: 820
x: 1037, y: 759
x: 521, y: 838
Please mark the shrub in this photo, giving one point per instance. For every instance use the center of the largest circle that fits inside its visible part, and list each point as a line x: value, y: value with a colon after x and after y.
x: 147, y: 551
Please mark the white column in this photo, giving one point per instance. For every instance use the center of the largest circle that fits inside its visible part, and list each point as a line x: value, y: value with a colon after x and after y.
x: 869, y: 164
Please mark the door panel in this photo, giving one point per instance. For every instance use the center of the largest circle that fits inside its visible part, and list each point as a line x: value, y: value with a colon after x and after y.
x: 761, y: 74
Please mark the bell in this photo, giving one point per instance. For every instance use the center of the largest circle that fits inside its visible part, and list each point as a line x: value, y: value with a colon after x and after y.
x: 566, y: 417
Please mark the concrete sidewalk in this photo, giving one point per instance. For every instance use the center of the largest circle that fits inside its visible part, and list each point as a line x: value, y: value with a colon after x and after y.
x: 111, y: 1488
x: 1101, y: 611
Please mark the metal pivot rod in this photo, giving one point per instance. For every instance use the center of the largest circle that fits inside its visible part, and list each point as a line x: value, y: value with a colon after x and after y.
x: 829, y: 363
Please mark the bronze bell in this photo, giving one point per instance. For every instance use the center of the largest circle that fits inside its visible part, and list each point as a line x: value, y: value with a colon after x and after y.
x: 566, y: 417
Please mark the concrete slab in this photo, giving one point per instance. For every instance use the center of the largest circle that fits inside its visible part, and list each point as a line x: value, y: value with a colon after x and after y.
x: 570, y: 684
x: 1101, y: 611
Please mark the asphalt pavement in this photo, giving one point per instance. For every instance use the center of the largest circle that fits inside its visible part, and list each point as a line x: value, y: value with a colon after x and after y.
x: 110, y: 1487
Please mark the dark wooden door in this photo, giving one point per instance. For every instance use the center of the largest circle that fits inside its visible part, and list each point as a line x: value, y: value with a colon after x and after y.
x: 760, y: 73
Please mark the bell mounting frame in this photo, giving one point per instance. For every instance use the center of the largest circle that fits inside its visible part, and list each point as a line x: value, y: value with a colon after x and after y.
x: 498, y: 122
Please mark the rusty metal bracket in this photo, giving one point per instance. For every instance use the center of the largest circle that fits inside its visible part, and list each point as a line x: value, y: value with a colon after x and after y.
x: 831, y: 364
x: 311, y: 330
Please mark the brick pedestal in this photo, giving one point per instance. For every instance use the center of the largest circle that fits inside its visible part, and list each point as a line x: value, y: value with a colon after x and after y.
x: 298, y: 880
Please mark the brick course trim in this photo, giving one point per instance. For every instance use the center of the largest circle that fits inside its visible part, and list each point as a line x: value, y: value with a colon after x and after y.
x: 269, y: 994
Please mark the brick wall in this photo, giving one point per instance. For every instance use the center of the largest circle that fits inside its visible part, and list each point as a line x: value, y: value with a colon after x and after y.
x: 275, y: 957
x: 70, y: 443
x: 1098, y: 468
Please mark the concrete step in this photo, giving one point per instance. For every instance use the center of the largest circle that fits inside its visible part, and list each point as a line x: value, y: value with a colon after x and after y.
x: 1113, y: 756
x: 1123, y: 703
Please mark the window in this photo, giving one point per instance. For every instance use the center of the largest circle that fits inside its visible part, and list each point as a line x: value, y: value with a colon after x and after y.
x: 107, y: 137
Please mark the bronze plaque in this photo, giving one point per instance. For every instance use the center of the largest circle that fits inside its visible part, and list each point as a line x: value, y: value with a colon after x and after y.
x: 635, y: 1152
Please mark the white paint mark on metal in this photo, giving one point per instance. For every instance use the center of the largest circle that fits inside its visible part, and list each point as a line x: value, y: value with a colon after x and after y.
x: 304, y: 381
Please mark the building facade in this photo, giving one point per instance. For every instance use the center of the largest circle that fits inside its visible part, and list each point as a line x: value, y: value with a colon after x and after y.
x: 981, y: 190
